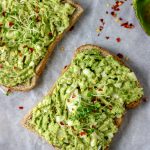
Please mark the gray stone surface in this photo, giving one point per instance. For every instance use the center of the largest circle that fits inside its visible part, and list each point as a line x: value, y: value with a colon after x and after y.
x: 135, y: 131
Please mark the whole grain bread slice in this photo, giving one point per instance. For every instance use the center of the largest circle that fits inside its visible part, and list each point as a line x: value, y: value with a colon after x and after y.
x: 39, y: 69
x: 118, y: 121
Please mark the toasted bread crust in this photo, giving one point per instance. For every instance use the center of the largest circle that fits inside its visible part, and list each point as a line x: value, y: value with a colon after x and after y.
x: 118, y: 121
x: 42, y: 64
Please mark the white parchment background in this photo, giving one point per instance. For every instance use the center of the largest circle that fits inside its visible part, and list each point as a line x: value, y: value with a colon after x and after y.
x: 135, y: 132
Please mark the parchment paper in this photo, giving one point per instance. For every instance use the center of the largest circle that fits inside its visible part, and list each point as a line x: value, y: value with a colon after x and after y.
x: 135, y: 131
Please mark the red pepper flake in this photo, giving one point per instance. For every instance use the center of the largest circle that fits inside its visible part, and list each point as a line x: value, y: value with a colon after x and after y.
x: 31, y: 49
x: 1, y: 66
x: 82, y: 133
x: 4, y: 13
x: 15, y: 67
x: 107, y: 37
x: 65, y: 67
x: 144, y: 99
x: 38, y: 19
x: 50, y: 34
x: 115, y: 8
x: 73, y: 96
x: 101, y: 28
x: 94, y: 100
x: 62, y: 123
x: 37, y: 9
x: 21, y: 107
x: 102, y: 21
x: 120, y: 19
x: 118, y: 40
x: 117, y: 5
x: 113, y: 14
x: 71, y: 29
x: 127, y: 25
x: 11, y: 24
x: 120, y: 55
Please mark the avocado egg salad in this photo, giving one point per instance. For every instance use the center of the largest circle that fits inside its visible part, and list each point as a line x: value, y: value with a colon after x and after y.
x: 80, y: 111
x: 27, y: 28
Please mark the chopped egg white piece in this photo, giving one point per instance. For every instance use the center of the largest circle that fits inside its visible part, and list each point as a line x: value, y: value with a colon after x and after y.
x: 93, y: 139
x: 73, y: 102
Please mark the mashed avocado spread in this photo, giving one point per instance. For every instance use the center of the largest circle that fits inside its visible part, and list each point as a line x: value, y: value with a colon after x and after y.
x: 27, y: 27
x: 79, y: 114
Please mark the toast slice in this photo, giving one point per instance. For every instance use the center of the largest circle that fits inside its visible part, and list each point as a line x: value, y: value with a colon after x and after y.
x: 39, y: 69
x: 117, y: 119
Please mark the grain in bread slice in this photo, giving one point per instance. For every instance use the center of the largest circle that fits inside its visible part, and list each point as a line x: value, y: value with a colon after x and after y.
x: 86, y: 129
x: 39, y: 69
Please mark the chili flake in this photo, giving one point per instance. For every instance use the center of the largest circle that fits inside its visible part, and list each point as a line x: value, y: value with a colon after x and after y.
x: 73, y: 96
x: 21, y: 107
x: 72, y: 28
x: 50, y: 34
x: 144, y: 99
x: 118, y: 40
x: 37, y: 9
x: 82, y: 133
x: 11, y: 24
x: 113, y: 14
x: 38, y: 19
x: 101, y: 28
x: 94, y: 100
x: 61, y: 123
x: 31, y: 49
x: 4, y: 13
x: 107, y: 37
x: 127, y: 25
x: 120, y: 55
x: 65, y: 67
x: 102, y: 21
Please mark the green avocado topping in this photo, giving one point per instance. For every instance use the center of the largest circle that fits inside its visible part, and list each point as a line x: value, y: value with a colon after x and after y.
x: 79, y: 114
x: 142, y: 9
x: 27, y: 28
